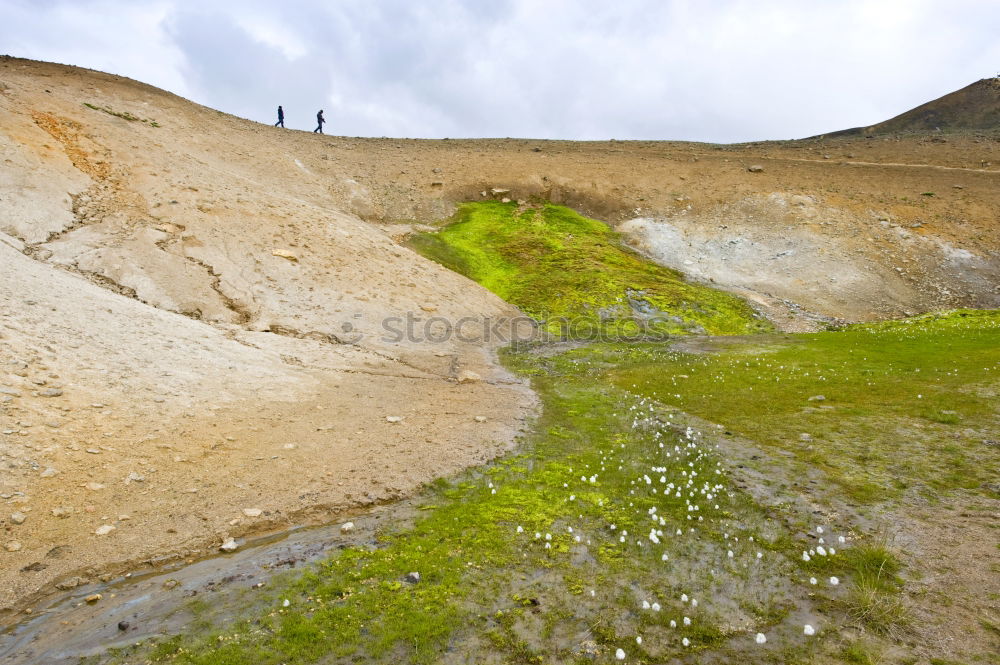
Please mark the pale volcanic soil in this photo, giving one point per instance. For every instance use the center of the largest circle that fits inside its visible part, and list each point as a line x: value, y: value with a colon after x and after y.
x: 192, y: 303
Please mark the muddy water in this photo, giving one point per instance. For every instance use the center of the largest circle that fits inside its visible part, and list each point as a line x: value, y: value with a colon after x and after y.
x: 163, y: 601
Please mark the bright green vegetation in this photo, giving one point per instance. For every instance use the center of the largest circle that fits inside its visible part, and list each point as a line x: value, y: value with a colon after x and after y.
x: 124, y: 115
x: 604, y: 468
x: 619, y: 509
x: 906, y: 406
x: 558, y: 265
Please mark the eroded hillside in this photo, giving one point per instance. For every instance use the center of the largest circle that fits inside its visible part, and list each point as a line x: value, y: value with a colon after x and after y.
x: 193, y: 304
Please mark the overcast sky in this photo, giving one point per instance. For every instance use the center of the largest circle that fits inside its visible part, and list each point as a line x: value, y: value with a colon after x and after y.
x: 711, y: 70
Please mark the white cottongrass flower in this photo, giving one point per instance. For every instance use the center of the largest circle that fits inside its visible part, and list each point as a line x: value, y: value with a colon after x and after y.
x: 286, y: 603
x: 686, y: 642
x: 761, y: 638
x: 819, y: 529
x: 813, y: 580
x: 841, y: 540
x: 638, y: 639
x: 760, y: 555
x: 687, y: 621
x: 520, y: 529
x: 645, y: 604
x: 664, y: 557
x: 655, y: 607
x: 694, y: 603
x: 805, y: 556
x: 832, y: 551
x: 729, y: 554
x: 537, y: 535
x: 834, y: 581
x: 821, y: 551
x: 673, y: 624
x: 808, y: 630
x: 620, y: 654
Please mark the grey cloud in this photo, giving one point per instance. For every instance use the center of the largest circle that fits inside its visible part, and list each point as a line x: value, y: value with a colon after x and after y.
x: 729, y: 70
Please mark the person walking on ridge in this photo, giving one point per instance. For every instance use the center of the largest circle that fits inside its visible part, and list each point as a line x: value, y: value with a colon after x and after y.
x: 319, y: 121
x: 281, y: 117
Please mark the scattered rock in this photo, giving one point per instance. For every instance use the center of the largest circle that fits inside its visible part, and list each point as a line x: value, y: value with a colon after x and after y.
x: 134, y: 477
x: 104, y: 529
x: 71, y: 583
x: 49, y: 472
x: 18, y: 518
x: 62, y: 511
x: 123, y: 625
x: 805, y: 437
x: 229, y: 545
x: 52, y: 392
x: 468, y: 376
x: 9, y: 391
x: 394, y: 419
x: 284, y: 254
x: 817, y: 398
x: 412, y: 578
x: 347, y: 527
x: 756, y: 168
x: 93, y: 487
x: 480, y: 419
x: 93, y: 598
x: 253, y: 512
x: 13, y: 546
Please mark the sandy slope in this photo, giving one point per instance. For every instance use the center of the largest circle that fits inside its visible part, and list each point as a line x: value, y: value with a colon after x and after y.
x: 220, y: 287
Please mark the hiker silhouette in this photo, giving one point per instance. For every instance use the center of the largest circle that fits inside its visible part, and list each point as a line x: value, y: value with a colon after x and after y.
x: 319, y: 120
x: 281, y: 117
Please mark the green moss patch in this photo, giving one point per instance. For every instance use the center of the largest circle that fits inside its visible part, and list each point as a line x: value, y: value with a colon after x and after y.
x: 880, y: 408
x: 571, y: 272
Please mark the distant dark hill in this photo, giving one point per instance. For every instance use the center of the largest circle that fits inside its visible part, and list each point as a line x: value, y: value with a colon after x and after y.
x: 975, y: 106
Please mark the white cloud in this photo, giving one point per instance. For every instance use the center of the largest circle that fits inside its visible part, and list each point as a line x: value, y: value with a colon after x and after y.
x: 726, y: 70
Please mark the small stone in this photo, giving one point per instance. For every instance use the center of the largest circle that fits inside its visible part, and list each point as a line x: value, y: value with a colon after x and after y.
x: 468, y: 376
x: 93, y: 487
x: 412, y: 578
x: 9, y: 391
x: 756, y: 168
x: 394, y: 419
x: 805, y: 436
x: 62, y: 511
x: 49, y: 472
x: 93, y: 451
x: 817, y: 398
x: 18, y: 518
x: 480, y: 419
x: 104, y: 529
x: 13, y: 546
x: 123, y: 626
x: 229, y: 545
x: 134, y: 477
x: 71, y: 583
x: 93, y: 598
x: 253, y: 512
x: 52, y: 392
x: 347, y: 527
